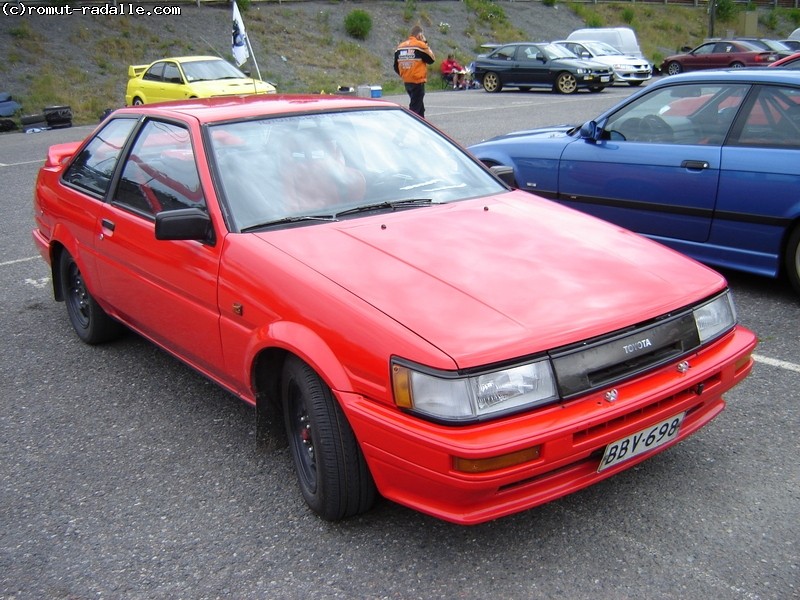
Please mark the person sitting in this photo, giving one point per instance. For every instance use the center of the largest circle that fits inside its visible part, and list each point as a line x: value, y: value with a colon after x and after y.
x: 454, y: 73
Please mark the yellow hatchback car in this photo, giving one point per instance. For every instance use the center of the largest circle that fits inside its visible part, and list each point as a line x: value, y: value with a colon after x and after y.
x: 185, y: 77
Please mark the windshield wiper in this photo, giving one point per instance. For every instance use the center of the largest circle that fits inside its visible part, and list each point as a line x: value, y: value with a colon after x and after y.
x: 386, y: 205
x: 289, y: 220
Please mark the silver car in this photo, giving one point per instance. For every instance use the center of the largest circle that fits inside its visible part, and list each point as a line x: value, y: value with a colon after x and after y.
x: 627, y: 69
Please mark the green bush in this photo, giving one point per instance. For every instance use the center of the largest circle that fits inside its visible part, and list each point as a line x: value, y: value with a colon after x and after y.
x: 549, y: 2
x: 358, y: 24
x: 726, y: 10
x: 594, y: 21
x: 627, y: 15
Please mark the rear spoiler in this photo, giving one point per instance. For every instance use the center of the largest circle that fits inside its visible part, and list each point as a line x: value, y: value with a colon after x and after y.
x: 58, y: 153
x: 136, y: 70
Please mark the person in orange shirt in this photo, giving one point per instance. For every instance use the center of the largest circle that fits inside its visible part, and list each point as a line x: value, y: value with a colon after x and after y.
x: 453, y: 72
x: 411, y: 60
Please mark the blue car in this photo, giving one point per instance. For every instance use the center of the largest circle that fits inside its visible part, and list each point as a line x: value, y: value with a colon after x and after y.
x: 707, y: 163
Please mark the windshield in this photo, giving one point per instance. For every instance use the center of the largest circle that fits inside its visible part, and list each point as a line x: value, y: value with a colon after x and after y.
x: 602, y: 49
x: 209, y: 70
x: 331, y: 166
x: 557, y: 51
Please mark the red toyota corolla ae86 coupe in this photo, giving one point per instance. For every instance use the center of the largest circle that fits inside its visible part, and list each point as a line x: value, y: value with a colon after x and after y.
x: 422, y: 331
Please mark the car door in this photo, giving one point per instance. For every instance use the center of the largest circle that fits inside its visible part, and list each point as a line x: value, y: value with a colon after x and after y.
x: 759, y: 189
x: 167, y: 290
x: 530, y: 65
x: 174, y: 87
x: 656, y: 168
x: 152, y: 84
x: 702, y: 57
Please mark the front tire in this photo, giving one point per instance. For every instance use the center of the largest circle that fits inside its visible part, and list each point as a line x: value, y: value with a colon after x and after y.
x: 566, y: 83
x: 137, y: 101
x: 792, y: 259
x: 88, y: 319
x: 333, y: 475
x: 737, y: 65
x: 491, y: 82
x: 674, y: 68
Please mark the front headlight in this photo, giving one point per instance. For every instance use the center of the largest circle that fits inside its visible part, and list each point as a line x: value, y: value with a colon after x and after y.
x: 448, y: 396
x: 715, y: 317
x: 581, y: 71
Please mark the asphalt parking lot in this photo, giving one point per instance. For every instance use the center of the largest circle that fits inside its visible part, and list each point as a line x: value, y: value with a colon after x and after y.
x: 124, y: 474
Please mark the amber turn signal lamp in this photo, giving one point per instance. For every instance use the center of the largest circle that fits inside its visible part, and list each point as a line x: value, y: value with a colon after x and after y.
x: 481, y: 465
x: 401, y: 386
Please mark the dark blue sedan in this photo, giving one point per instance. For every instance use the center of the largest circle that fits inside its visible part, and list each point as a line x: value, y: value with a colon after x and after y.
x: 707, y: 163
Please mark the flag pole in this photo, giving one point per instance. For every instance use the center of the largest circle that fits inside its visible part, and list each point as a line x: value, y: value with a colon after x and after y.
x: 253, y: 56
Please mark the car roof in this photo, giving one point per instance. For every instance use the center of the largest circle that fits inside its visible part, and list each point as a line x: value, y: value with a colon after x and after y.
x: 183, y: 59
x: 746, y: 75
x: 224, y: 108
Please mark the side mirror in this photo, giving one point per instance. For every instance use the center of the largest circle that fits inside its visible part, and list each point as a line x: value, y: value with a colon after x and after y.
x: 184, y: 224
x: 589, y: 131
x: 505, y: 174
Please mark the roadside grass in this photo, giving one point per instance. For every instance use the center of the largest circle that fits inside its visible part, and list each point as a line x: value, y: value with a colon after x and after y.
x: 297, y: 40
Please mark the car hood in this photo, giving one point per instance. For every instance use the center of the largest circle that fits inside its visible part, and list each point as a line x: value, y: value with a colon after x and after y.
x: 553, y: 131
x: 579, y: 63
x: 230, y: 87
x: 616, y: 59
x: 495, y: 278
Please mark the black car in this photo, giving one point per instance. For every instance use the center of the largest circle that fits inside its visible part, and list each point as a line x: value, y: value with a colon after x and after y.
x: 526, y: 65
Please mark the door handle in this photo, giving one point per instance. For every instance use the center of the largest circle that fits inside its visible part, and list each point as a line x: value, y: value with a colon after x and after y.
x: 106, y: 224
x: 696, y: 165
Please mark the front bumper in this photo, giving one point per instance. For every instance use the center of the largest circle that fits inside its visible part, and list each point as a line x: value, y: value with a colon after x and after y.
x: 412, y: 461
x: 626, y: 76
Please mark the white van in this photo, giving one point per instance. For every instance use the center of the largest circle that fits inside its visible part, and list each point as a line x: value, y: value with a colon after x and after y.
x: 621, y: 38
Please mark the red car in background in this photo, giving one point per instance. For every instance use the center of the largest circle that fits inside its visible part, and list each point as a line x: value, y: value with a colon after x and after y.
x: 718, y: 55
x: 416, y: 328
x: 789, y: 62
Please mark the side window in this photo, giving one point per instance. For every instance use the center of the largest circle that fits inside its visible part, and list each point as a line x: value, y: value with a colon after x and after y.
x: 504, y: 54
x: 686, y: 114
x: 529, y: 53
x: 154, y: 73
x: 172, y: 74
x: 160, y: 173
x: 93, y: 167
x: 705, y: 49
x: 771, y: 119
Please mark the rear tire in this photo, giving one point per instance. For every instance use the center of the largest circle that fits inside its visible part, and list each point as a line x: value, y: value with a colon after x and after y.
x: 792, y: 259
x: 333, y: 475
x: 89, y: 321
x: 491, y: 82
x: 737, y: 65
x: 137, y: 101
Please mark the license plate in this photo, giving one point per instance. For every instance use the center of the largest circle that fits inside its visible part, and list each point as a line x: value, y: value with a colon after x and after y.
x: 605, y: 78
x: 641, y: 441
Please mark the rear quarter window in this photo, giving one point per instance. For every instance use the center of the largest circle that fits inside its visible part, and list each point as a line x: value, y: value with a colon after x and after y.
x: 93, y: 167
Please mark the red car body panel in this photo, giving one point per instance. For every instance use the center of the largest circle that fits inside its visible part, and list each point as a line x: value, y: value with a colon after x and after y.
x: 509, y: 276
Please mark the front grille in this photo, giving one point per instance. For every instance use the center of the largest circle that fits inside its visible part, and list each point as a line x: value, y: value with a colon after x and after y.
x: 602, y: 362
